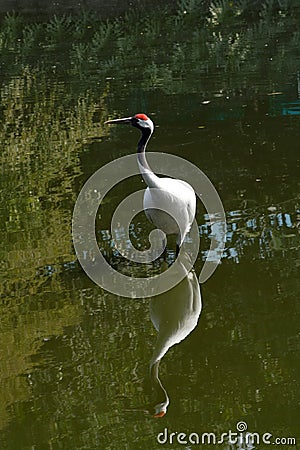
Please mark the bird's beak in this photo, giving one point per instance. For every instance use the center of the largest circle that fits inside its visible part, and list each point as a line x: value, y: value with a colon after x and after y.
x: 124, y: 120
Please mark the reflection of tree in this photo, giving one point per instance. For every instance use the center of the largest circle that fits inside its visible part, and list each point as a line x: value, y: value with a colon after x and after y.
x: 189, y: 41
x: 41, y: 139
x: 21, y: 342
x: 258, y: 329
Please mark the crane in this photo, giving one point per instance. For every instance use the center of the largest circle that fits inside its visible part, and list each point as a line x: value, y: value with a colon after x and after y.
x: 162, y: 194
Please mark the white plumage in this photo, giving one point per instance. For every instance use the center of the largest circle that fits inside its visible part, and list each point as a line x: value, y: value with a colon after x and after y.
x: 170, y: 204
x: 171, y: 207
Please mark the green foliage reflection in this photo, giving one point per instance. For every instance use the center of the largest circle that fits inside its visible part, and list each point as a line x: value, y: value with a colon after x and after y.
x: 41, y: 137
x: 191, y: 40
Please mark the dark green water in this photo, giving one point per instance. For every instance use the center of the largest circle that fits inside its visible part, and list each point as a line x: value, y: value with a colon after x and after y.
x: 74, y: 358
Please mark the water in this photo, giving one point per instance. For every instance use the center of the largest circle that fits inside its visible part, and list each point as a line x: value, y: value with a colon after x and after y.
x: 74, y: 358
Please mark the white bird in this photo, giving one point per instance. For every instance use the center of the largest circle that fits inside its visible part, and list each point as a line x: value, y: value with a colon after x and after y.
x: 170, y: 204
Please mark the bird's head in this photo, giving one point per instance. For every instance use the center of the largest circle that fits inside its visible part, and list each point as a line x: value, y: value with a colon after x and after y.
x: 160, y: 410
x: 140, y: 121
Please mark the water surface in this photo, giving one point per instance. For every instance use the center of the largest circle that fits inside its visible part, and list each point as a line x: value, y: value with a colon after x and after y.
x: 74, y: 358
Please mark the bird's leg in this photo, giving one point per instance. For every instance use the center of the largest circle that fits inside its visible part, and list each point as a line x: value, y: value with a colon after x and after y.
x: 164, y: 253
x: 179, y: 242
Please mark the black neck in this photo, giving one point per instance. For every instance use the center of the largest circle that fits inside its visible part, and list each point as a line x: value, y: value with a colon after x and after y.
x: 146, y: 133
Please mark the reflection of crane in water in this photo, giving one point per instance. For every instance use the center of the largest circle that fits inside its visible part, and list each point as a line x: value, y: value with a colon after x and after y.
x: 174, y: 314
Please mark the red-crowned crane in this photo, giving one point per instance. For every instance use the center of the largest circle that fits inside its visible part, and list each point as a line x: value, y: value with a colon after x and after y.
x: 162, y: 194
